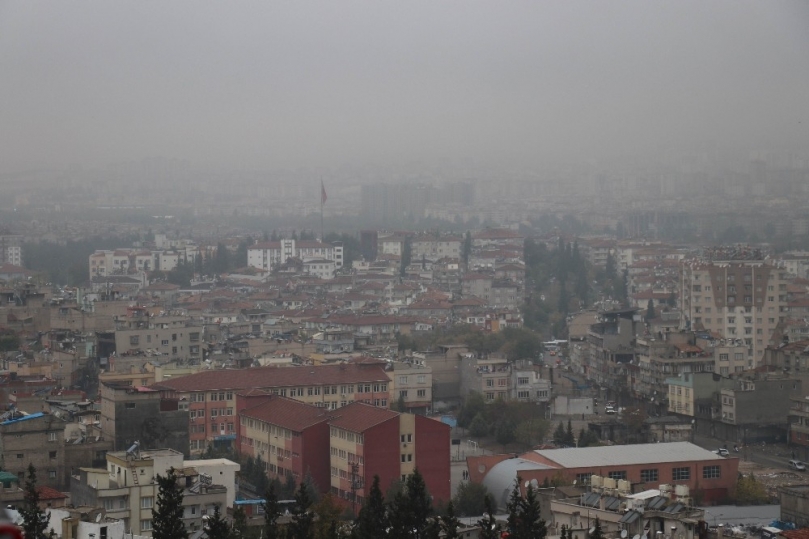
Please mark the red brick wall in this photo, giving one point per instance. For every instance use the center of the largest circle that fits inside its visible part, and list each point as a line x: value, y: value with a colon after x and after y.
x: 381, y: 453
x: 432, y: 456
x: 315, y: 455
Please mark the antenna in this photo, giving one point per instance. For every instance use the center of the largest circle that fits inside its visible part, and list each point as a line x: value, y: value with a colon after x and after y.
x: 624, y: 534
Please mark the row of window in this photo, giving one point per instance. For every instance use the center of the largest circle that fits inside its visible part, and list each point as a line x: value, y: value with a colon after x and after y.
x: 419, y: 393
x: 420, y: 378
x: 343, y: 434
x: 652, y: 475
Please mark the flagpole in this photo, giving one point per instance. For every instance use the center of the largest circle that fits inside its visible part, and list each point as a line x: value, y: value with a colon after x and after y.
x: 322, y: 190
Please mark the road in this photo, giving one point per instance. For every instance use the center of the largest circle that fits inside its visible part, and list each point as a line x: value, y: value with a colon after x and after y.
x: 762, y: 455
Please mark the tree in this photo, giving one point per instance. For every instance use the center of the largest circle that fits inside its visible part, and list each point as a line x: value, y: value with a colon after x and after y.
x: 473, y: 404
x: 570, y: 439
x: 34, y: 519
x: 505, y: 431
x: 239, y: 527
x: 167, y: 516
x: 479, y: 426
x: 303, y: 517
x: 221, y: 261
x: 531, y: 431
x: 563, y: 532
x: 598, y: 533
x: 400, y: 404
x: 372, y: 521
x: 559, y: 436
x: 466, y: 250
x: 217, y: 527
x: 328, y: 517
x: 411, y: 508
x: 489, y: 527
x: 514, y: 507
x: 271, y: 513
x: 749, y: 491
x: 650, y: 310
x: 531, y: 523
x: 407, y: 254
x: 450, y: 523
x: 470, y: 499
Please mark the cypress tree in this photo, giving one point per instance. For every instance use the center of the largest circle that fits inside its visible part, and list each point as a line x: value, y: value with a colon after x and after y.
x: 514, y: 507
x: 489, y: 527
x: 531, y: 523
x: 303, y: 517
x: 239, y: 527
x: 450, y: 523
x: 34, y: 519
x: 167, y: 516
x: 372, y: 521
x: 271, y: 512
x: 217, y: 527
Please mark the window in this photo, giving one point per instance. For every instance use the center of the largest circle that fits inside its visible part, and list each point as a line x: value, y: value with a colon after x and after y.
x: 711, y: 472
x: 51, y: 436
x: 51, y: 474
x: 681, y: 474
x: 134, y: 340
x: 52, y: 454
x: 164, y: 342
x: 406, y: 438
x: 109, y: 504
x: 618, y: 474
x: 130, y: 405
x: 20, y: 455
x: 146, y: 502
x: 145, y: 525
x: 421, y: 393
x: 407, y: 457
x: 421, y: 379
x: 403, y: 393
x: 649, y: 476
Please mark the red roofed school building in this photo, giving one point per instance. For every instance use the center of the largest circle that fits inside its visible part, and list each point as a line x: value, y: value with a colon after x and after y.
x: 211, y: 395
x: 343, y: 449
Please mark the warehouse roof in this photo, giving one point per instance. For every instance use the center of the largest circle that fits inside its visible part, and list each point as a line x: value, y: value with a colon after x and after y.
x: 617, y: 455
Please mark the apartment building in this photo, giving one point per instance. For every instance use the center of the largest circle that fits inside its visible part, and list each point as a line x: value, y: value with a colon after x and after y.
x: 269, y: 255
x: 290, y: 437
x: 170, y: 337
x: 412, y: 384
x: 211, y: 395
x: 366, y: 441
x: 11, y: 250
x: 435, y: 247
x: 135, y: 413
x: 739, y: 299
x: 491, y: 377
x: 130, y: 260
x: 127, y: 489
x: 37, y: 439
x: 527, y: 384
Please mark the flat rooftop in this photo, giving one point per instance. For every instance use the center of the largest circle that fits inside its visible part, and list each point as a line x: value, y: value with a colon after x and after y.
x: 617, y: 455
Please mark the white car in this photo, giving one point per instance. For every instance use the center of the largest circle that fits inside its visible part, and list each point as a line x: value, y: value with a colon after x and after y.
x: 797, y: 465
x: 722, y: 452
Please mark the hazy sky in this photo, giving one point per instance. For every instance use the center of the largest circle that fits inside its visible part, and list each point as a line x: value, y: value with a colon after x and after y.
x: 287, y: 84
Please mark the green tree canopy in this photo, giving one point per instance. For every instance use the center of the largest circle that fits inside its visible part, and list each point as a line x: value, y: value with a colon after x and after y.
x: 167, y: 516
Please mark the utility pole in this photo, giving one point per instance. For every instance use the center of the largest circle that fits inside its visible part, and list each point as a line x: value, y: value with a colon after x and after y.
x: 356, y: 484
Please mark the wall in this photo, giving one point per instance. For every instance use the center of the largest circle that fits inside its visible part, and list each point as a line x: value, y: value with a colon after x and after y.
x: 432, y: 456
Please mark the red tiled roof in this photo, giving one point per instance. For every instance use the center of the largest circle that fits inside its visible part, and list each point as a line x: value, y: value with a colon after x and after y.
x: 287, y: 413
x: 48, y: 493
x: 359, y: 417
x: 264, y: 377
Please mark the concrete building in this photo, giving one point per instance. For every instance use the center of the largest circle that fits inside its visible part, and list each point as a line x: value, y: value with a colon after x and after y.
x: 11, y: 250
x: 127, y: 488
x: 740, y: 299
x: 366, y: 441
x: 132, y: 414
x: 795, y: 504
x: 646, y: 466
x: 269, y: 255
x: 290, y: 437
x: 169, y: 337
x: 490, y: 377
x: 527, y: 384
x: 212, y: 402
x: 412, y: 384
x: 37, y: 439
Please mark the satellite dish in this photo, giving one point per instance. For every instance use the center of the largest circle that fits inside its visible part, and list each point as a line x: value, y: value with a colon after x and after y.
x: 592, y: 530
x: 98, y: 518
x: 636, y: 537
x: 574, y: 482
x: 623, y: 534
x: 534, y: 483
x: 527, y: 483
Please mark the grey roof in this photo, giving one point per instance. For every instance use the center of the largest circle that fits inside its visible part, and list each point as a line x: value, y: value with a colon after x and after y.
x: 617, y: 455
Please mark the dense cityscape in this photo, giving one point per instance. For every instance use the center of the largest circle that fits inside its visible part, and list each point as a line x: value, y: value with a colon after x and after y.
x: 436, y: 270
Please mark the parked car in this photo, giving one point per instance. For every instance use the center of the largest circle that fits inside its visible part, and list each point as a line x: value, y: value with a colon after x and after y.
x: 797, y: 465
x: 722, y: 452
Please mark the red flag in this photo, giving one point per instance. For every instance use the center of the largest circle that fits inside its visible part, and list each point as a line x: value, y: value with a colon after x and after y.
x: 323, y: 196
